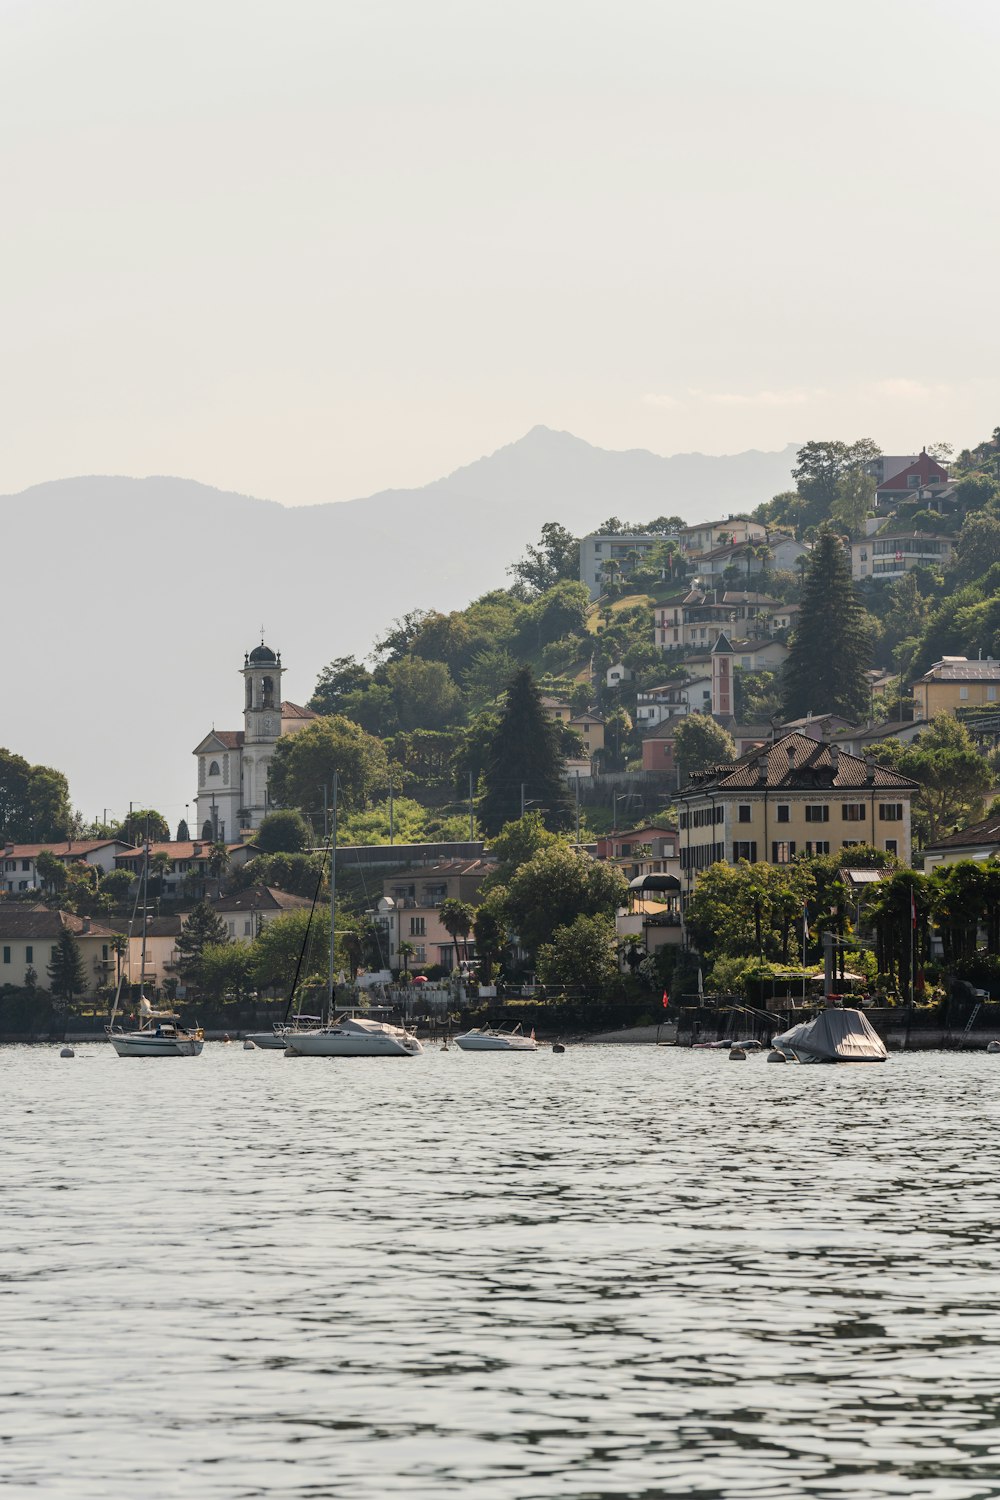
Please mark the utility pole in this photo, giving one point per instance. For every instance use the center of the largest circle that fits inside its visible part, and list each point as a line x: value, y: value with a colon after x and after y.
x: 522, y: 799
x: 392, y: 815
x: 576, y: 782
x: 472, y: 815
x: 324, y: 814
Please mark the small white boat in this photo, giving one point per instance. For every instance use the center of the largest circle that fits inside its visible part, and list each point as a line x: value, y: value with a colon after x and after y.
x: 993, y: 1048
x: 505, y: 1038
x: 353, y: 1035
x: 276, y: 1040
x: 160, y: 1034
x: 835, y: 1036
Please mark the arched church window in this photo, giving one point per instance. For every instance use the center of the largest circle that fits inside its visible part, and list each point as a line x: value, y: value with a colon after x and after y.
x: 249, y: 692
x: 213, y: 769
x: 267, y: 692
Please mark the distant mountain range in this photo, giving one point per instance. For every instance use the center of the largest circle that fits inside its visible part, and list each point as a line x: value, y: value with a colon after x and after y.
x: 129, y: 602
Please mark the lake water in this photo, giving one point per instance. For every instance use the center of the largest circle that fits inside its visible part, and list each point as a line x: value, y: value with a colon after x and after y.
x: 630, y: 1271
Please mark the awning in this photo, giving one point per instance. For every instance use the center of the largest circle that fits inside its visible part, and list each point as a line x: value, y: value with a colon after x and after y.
x: 654, y: 883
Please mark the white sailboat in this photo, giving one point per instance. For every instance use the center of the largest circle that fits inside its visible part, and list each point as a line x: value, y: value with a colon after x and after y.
x: 351, y: 1033
x: 160, y: 1032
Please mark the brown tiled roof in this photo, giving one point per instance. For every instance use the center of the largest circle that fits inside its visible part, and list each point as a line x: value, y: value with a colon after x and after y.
x: 17, y: 921
x: 446, y: 867
x: 71, y: 848
x: 986, y: 832
x: 261, y: 898
x: 296, y: 711
x: 186, y: 849
x: 810, y: 765
x: 232, y: 739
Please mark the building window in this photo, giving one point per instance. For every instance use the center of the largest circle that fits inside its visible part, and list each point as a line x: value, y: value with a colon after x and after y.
x: 213, y: 769
x: 853, y: 812
x: 247, y: 928
x: 817, y: 812
x: 890, y: 812
x: 784, y: 812
x: 26, y: 864
x: 29, y: 954
x: 104, y: 952
x: 963, y: 693
x: 818, y: 846
x: 991, y: 695
x: 421, y: 954
x: 850, y: 843
x: 745, y: 850
x: 744, y: 812
x: 891, y: 846
x: 6, y: 955
x: 418, y: 927
x: 782, y: 852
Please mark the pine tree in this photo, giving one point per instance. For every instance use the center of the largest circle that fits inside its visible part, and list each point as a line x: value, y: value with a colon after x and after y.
x: 183, y: 835
x: 831, y: 650
x: 524, y: 754
x: 203, y: 929
x: 66, y: 972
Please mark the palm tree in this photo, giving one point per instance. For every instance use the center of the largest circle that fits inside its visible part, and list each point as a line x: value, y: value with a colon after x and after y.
x: 611, y: 569
x: 161, y: 864
x: 456, y: 918
x: 218, y: 863
x: 406, y: 952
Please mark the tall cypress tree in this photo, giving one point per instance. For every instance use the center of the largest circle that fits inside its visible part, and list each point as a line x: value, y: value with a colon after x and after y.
x: 203, y: 928
x: 66, y: 972
x: 831, y: 651
x: 524, y: 753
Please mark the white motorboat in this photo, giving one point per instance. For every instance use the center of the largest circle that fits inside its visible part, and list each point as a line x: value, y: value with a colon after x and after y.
x: 835, y: 1036
x: 353, y: 1034
x: 160, y: 1033
x: 276, y: 1039
x: 503, y: 1038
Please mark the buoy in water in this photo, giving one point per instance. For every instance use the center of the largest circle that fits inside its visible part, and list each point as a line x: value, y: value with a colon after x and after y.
x: 67, y: 1052
x: 993, y: 1047
x: 249, y: 1045
x: 558, y: 1047
x: 736, y: 1054
x: 776, y: 1056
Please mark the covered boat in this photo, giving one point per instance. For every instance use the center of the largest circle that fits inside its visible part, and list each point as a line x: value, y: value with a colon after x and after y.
x: 834, y: 1036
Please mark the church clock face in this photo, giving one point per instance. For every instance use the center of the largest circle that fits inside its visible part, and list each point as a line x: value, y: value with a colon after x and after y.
x: 268, y: 724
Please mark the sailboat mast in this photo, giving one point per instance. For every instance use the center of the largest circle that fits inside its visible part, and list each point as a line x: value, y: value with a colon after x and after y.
x: 145, y: 904
x: 333, y: 903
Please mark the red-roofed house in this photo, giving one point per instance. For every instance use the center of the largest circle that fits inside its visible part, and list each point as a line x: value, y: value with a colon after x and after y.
x: 924, y: 471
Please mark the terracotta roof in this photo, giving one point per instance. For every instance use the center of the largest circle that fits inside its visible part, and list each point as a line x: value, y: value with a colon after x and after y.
x: 17, y: 921
x: 67, y: 849
x: 446, y: 867
x: 797, y: 763
x: 186, y: 849
x: 977, y: 834
x: 296, y: 711
x: 232, y: 739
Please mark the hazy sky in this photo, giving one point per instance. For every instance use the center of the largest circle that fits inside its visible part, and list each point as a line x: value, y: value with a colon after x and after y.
x: 311, y: 249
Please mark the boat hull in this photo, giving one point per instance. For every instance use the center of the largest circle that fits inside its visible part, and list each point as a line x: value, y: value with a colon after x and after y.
x: 157, y: 1046
x: 496, y: 1044
x: 269, y: 1041
x: 333, y: 1044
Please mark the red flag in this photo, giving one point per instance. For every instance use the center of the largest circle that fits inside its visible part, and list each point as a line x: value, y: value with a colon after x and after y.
x: 666, y: 999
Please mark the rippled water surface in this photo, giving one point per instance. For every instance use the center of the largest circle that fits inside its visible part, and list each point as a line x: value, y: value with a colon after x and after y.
x: 618, y: 1272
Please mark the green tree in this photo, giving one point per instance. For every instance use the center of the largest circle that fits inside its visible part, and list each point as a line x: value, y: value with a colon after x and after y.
x: 978, y: 547
x: 134, y: 825
x: 557, y: 556
x: 183, y: 833
x: 284, y: 832
x: 524, y: 755
x: 304, y: 763
x: 34, y: 802
x: 581, y: 958
x: 559, y: 612
x: 700, y: 743
x: 854, y: 498
x: 558, y: 885
x: 67, y: 977
x: 490, y: 928
x: 820, y: 469
x: 457, y: 917
x: 488, y: 673
x: 953, y: 775
x: 424, y: 693
x: 280, y: 943
x: 51, y: 871
x: 226, y: 971
x: 203, y: 929
x: 830, y: 650
x: 518, y: 842
x: 338, y: 680
x: 160, y: 865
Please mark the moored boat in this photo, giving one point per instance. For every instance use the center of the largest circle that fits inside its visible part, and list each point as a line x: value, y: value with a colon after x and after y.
x: 836, y: 1035
x: 502, y: 1038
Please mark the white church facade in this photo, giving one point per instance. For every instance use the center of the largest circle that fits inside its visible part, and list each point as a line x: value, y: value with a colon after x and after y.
x: 234, y: 764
